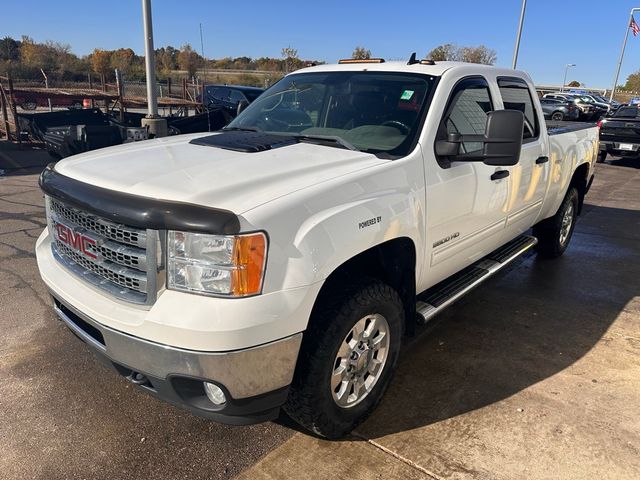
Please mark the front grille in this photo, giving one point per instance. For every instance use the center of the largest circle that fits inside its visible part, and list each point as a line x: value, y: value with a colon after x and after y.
x: 119, y: 259
x: 100, y: 226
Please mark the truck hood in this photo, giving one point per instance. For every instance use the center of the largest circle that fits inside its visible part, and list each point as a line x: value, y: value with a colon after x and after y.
x: 173, y: 169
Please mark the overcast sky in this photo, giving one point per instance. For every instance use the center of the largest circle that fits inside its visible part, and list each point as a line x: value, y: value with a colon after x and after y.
x: 588, y: 33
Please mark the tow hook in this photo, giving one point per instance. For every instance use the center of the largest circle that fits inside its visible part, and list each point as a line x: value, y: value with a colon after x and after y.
x: 138, y: 379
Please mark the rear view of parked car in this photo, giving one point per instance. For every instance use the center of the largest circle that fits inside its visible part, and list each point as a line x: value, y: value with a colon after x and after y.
x: 559, y: 110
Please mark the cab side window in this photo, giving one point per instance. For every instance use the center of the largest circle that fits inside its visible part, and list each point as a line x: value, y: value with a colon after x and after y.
x: 467, y: 112
x: 517, y: 96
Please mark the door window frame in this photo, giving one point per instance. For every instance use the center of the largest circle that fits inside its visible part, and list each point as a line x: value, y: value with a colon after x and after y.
x: 462, y: 84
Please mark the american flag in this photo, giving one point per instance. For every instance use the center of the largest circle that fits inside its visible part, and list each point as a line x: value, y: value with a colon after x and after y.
x: 634, y: 27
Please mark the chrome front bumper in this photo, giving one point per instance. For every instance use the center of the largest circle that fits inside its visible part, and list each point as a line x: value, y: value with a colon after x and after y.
x: 261, y: 373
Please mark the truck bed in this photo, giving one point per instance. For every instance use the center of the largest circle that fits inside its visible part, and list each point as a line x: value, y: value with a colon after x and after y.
x: 558, y: 127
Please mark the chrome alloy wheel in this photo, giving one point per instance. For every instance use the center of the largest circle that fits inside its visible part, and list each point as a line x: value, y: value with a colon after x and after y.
x: 360, y: 360
x: 567, y: 221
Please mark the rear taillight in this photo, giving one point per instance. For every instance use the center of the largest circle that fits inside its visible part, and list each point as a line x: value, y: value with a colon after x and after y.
x: 599, y: 124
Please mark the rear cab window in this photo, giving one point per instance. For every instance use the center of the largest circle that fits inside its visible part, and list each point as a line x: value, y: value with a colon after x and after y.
x: 516, y: 95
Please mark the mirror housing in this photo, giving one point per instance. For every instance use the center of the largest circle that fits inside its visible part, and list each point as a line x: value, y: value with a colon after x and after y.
x: 502, y: 141
x: 242, y: 104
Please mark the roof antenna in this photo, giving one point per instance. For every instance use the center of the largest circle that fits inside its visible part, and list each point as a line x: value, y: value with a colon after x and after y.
x: 412, y: 59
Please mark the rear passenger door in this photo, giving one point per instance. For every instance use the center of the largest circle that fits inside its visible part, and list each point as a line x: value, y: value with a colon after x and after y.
x: 530, y: 177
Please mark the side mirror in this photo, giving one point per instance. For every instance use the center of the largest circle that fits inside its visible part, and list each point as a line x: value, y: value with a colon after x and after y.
x: 501, y: 143
x: 504, y: 137
x: 242, y: 104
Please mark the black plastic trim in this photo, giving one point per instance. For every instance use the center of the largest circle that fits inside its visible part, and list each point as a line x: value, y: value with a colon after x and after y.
x: 246, y: 142
x: 135, y: 210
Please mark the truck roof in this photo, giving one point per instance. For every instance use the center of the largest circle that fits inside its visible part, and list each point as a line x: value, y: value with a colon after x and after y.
x: 437, y: 69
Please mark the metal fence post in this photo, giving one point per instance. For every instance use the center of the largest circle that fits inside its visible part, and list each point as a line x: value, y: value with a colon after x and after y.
x: 14, y: 111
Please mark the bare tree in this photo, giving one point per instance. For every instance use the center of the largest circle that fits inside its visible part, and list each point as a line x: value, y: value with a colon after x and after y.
x: 451, y: 52
x: 479, y: 54
x: 360, y: 53
x: 445, y: 52
x: 573, y: 83
x: 290, y: 56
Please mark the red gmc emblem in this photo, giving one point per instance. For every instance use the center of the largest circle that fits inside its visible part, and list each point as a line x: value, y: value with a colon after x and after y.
x: 75, y: 240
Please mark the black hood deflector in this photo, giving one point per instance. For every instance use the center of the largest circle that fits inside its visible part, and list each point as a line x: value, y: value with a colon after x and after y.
x: 246, y: 141
x: 137, y: 211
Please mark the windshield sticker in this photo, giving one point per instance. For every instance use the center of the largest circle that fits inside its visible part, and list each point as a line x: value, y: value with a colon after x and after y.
x: 407, y: 94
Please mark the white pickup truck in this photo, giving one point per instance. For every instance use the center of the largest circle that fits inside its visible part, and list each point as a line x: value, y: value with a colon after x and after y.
x: 279, y: 262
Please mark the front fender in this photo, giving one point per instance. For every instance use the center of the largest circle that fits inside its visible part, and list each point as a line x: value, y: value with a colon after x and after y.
x: 314, y: 231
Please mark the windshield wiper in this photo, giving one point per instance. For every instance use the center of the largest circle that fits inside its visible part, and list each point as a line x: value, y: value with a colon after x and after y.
x: 332, y: 140
x: 243, y: 129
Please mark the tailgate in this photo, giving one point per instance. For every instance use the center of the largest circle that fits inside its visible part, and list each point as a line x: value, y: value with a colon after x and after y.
x: 624, y: 130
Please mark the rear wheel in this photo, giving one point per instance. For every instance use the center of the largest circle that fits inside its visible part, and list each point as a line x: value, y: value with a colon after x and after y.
x: 29, y: 106
x: 554, y: 234
x: 557, y: 116
x: 347, y: 358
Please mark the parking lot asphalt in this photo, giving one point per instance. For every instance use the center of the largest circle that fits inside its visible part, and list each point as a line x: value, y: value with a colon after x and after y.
x: 535, y: 374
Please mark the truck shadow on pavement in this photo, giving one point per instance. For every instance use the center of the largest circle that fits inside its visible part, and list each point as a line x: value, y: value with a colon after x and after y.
x: 519, y: 328
x: 629, y: 162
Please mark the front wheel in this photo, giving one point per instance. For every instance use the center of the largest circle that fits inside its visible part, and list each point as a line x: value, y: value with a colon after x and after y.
x: 554, y: 233
x: 602, y: 156
x: 347, y: 358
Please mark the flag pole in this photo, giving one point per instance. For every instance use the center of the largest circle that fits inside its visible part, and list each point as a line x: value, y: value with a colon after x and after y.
x: 624, y: 46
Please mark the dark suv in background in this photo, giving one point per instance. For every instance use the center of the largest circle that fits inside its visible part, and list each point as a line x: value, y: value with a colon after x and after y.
x: 228, y: 96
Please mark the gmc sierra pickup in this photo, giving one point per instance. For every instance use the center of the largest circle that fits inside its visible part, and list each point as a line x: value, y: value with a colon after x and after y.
x: 279, y: 262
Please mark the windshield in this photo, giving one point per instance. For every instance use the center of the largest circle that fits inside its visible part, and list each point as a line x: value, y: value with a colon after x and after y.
x: 375, y: 112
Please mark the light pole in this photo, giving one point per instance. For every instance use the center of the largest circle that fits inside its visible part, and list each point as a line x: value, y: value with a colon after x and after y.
x: 517, y: 47
x: 157, y: 125
x: 624, y: 45
x: 566, y: 69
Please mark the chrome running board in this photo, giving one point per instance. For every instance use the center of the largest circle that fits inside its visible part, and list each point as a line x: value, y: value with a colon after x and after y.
x: 440, y: 296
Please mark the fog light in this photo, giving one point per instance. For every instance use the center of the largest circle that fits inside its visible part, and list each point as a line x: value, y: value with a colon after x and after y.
x: 214, y: 393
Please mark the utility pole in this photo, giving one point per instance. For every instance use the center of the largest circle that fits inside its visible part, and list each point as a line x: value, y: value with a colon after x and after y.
x: 566, y: 69
x: 204, y: 64
x: 517, y: 48
x: 157, y: 125
x: 624, y: 46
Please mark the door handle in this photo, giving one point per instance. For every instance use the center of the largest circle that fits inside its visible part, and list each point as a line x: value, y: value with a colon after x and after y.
x: 500, y: 174
x: 541, y: 160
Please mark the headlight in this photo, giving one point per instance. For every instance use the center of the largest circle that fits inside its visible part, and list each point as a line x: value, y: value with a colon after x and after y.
x: 216, y: 264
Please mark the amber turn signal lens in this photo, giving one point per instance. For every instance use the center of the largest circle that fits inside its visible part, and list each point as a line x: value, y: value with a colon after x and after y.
x: 249, y: 261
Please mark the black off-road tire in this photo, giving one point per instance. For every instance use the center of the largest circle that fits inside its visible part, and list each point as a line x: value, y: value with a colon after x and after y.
x: 310, y: 402
x: 553, y: 238
x: 602, y: 156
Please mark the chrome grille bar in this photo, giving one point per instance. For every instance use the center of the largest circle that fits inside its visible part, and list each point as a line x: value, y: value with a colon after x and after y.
x: 113, y: 231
